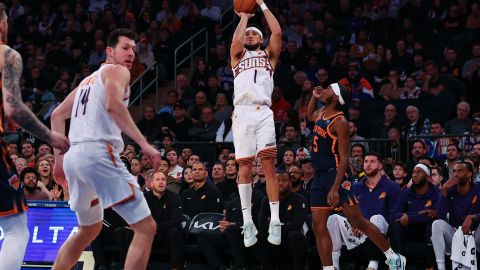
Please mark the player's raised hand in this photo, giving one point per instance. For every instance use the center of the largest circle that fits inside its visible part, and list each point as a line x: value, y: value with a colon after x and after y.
x: 243, y: 14
x: 153, y: 155
x: 59, y: 141
x: 316, y: 91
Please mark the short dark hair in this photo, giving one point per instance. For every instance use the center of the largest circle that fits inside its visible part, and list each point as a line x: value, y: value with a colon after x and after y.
x: 375, y: 154
x: 168, y: 150
x: 115, y: 35
x: 467, y: 164
x: 425, y: 157
x: 400, y: 164
x: 165, y: 159
x: 29, y: 170
x: 27, y: 142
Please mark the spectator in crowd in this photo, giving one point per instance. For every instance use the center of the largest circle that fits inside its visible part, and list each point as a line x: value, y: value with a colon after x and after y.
x: 301, y: 154
x: 201, y: 197
x: 400, y: 173
x: 259, y: 179
x: 20, y: 165
x: 453, y: 155
x: 223, y: 111
x: 354, y: 138
x: 150, y: 124
x: 99, y: 56
x: 45, y: 172
x: 473, y: 137
x: 280, y: 106
x: 451, y: 64
x: 380, y: 128
x: 28, y: 153
x: 166, y: 208
x: 44, y: 149
x: 184, y: 155
x: 194, y: 158
x: 463, y: 122
x: 34, y: 189
x: 358, y: 85
x: 12, y: 148
x: 181, y: 124
x: 228, y: 183
x: 357, y: 150
x: 175, y: 170
x: 206, y: 129
x: 473, y: 63
x: 416, y: 125
x: 391, y: 88
x: 308, y: 173
x: 187, y: 178
x: 185, y: 92
x: 459, y: 200
x: 442, y: 85
x: 172, y: 182
x: 291, y: 139
x: 437, y: 176
x: 210, y: 11
x: 414, y: 211
x: 323, y: 79
x: 172, y: 99
x: 293, y: 214
x: 144, y: 53
x: 288, y: 160
x: 410, y: 89
x: 395, y: 146
x: 376, y: 194
x: 437, y: 146
x: 195, y: 110
x: 136, y: 170
x: 419, y: 150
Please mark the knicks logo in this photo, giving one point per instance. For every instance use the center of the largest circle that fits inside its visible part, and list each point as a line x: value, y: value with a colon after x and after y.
x: 382, y: 195
x: 346, y: 185
x: 474, y: 200
x: 320, y: 131
x: 428, y: 203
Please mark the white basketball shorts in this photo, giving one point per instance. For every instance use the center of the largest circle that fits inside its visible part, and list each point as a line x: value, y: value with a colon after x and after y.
x: 253, y: 132
x: 98, y: 179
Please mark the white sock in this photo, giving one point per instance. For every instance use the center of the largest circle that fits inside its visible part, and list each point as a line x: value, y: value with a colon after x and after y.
x: 245, y: 191
x: 274, y: 211
x: 441, y: 266
x: 329, y: 267
x: 336, y: 258
x: 390, y: 254
x: 373, y: 265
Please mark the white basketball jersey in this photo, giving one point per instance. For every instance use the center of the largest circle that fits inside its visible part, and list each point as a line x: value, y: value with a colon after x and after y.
x: 90, y: 121
x: 253, y: 83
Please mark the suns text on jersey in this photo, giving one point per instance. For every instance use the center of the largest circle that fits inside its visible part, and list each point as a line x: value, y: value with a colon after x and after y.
x: 253, y: 62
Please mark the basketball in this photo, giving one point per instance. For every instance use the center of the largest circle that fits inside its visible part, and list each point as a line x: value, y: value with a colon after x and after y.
x: 247, y: 6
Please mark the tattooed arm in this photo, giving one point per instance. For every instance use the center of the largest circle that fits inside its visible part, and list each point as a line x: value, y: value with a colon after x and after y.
x: 12, y: 97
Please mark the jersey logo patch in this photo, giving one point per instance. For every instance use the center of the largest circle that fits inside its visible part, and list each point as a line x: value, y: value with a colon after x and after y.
x: 474, y: 200
x: 203, y: 197
x: 346, y: 185
x: 289, y: 207
x: 382, y: 195
x: 428, y: 203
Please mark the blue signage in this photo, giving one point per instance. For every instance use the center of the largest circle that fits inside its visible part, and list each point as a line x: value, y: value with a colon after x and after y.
x: 50, y: 224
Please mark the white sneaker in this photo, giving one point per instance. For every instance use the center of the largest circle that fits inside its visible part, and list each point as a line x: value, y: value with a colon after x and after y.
x: 275, y: 232
x: 397, y: 264
x: 249, y: 234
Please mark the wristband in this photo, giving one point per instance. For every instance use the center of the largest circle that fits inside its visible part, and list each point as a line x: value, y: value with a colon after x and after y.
x: 263, y: 6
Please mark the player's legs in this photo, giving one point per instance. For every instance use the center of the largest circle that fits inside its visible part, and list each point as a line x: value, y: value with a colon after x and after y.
x: 136, y: 213
x: 322, y: 235
x: 244, y: 140
x: 15, y: 241
x: 90, y: 224
x: 355, y: 217
x: 442, y: 235
x: 333, y: 226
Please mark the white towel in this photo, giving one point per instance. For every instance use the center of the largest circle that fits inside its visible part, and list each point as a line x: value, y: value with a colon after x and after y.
x: 347, y: 234
x: 464, y: 253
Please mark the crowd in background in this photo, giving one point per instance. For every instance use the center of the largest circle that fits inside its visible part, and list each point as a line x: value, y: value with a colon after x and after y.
x: 396, y: 55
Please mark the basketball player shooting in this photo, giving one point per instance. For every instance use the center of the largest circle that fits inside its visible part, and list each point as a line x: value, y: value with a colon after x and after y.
x: 331, y: 188
x: 13, y: 219
x: 253, y: 127
x: 96, y: 175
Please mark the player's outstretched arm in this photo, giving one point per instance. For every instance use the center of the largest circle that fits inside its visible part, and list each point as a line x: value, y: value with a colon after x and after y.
x: 116, y: 79
x: 312, y: 112
x: 275, y: 42
x: 14, y: 107
x: 236, y: 49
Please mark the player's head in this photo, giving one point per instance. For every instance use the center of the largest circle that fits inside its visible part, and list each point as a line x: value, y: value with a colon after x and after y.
x: 159, y: 182
x: 253, y: 38
x: 3, y: 23
x: 121, y: 47
x: 372, y: 164
x: 421, y: 174
x: 463, y: 171
x: 336, y: 94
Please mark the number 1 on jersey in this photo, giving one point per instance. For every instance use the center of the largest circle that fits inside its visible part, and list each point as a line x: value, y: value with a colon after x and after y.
x: 83, y: 98
x: 255, y: 77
